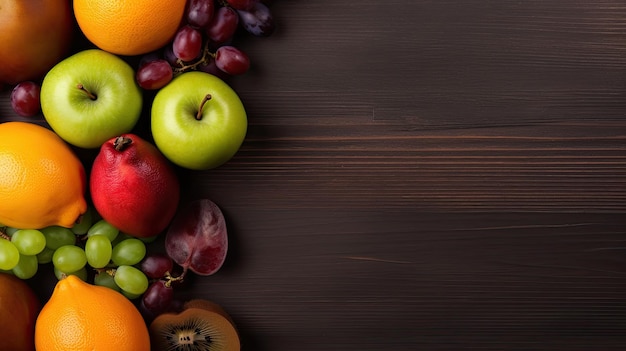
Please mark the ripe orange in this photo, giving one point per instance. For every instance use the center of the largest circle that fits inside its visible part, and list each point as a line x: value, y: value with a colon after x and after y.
x: 80, y: 316
x: 129, y: 27
x: 42, y: 182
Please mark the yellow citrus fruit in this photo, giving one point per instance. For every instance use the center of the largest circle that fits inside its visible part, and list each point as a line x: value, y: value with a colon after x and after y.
x: 42, y: 181
x: 129, y: 27
x: 83, y: 317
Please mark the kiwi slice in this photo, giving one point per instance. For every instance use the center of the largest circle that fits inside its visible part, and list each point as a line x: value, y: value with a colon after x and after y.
x: 201, y: 326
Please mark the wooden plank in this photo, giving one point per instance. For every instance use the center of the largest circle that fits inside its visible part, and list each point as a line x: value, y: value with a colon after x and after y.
x: 427, y: 175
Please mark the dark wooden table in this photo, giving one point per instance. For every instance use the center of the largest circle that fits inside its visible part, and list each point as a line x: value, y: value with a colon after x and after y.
x: 428, y: 175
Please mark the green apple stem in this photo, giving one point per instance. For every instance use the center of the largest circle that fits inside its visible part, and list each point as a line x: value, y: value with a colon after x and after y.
x: 82, y: 87
x: 207, y: 97
x: 121, y: 142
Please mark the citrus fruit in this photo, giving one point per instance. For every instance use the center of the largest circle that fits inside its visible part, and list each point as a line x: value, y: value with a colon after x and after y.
x: 18, y: 310
x: 42, y: 182
x: 34, y: 35
x: 80, y: 316
x: 129, y: 27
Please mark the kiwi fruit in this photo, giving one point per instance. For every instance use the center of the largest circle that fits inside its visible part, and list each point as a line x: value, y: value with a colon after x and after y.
x: 202, y: 325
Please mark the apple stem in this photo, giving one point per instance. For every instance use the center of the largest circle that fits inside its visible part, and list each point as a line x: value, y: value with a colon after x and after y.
x: 207, y: 97
x: 82, y: 87
x: 121, y: 142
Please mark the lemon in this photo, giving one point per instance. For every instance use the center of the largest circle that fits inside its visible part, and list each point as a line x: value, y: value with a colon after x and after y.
x: 42, y: 181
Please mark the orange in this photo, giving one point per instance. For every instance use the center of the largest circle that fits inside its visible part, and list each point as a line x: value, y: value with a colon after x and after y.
x: 84, y: 317
x: 42, y: 182
x: 129, y: 27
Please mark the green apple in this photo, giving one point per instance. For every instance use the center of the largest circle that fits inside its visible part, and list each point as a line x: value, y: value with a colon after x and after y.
x: 91, y: 97
x: 198, y: 121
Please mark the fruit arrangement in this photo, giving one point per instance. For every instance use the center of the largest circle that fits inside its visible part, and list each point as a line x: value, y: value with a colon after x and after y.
x: 96, y: 220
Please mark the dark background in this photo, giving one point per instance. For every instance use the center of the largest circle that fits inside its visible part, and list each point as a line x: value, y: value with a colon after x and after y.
x: 428, y: 175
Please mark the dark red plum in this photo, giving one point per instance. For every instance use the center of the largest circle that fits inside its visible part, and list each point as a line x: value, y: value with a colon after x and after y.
x: 197, y: 238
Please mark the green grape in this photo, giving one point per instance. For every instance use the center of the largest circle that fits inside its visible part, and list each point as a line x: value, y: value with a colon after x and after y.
x: 120, y: 238
x: 29, y: 242
x: 129, y: 295
x: 27, y: 267
x: 57, y: 236
x: 9, y: 255
x: 128, y: 252
x: 45, y: 256
x: 81, y: 273
x: 69, y: 258
x: 106, y: 280
x: 10, y: 231
x: 98, y: 250
x: 131, y: 280
x: 103, y: 227
x: 85, y: 222
x: 149, y: 240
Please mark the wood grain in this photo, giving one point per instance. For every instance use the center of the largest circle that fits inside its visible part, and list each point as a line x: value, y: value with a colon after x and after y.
x: 428, y: 175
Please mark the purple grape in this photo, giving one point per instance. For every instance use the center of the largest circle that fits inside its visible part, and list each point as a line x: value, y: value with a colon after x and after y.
x: 168, y: 55
x: 223, y: 26
x: 200, y: 12
x: 187, y: 44
x: 25, y: 99
x: 258, y: 20
x: 242, y: 4
x: 154, y: 74
x: 158, y: 297
x: 149, y: 57
x: 211, y: 68
x: 157, y: 265
x: 232, y: 60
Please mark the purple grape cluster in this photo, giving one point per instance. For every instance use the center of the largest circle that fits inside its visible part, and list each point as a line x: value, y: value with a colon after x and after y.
x: 196, y: 241
x: 160, y: 293
x: 204, y: 41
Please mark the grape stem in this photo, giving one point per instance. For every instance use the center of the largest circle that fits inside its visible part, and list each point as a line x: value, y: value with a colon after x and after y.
x: 206, y: 55
x: 3, y: 234
x: 206, y: 98
x: 90, y: 94
x: 169, y: 279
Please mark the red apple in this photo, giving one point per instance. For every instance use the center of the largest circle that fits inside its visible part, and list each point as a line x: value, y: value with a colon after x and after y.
x: 34, y: 36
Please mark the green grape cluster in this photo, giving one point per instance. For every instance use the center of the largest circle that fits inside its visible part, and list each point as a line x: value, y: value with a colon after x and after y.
x: 92, y: 248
